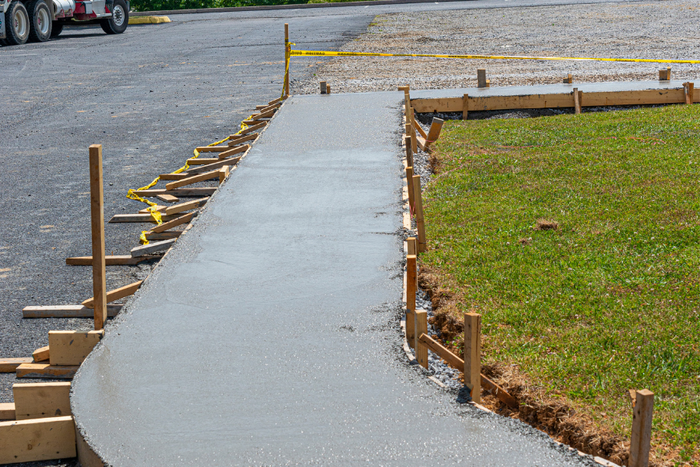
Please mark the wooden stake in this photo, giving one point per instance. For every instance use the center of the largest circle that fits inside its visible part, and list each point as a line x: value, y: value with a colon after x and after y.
x: 412, y: 134
x: 434, y: 132
x: 411, y: 244
x: 286, y: 60
x: 420, y: 222
x: 421, y: 330
x: 465, y: 106
x: 472, y: 354
x: 411, y: 282
x: 411, y: 195
x: 577, y: 101
x: 689, y: 91
x: 409, y: 150
x: 569, y: 79
x: 641, y: 429
x: 481, y: 78
x: 416, y: 125
x: 99, y: 281
x: 328, y: 88
x: 323, y: 87
x: 41, y: 355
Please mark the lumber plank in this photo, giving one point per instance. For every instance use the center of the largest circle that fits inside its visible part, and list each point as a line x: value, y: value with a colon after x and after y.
x: 421, y: 328
x: 242, y: 139
x: 276, y: 101
x: 37, y: 440
x: 416, y: 125
x: 640, y: 440
x: 41, y: 354
x: 153, y: 247
x: 45, y: 370
x: 116, y: 294
x: 211, y: 148
x: 9, y: 365
x: 458, y: 364
x: 66, y: 311
x: 136, y: 218
x: 542, y: 101
x: 188, y: 192
x: 7, y: 411
x: 163, y: 235
x: 186, y: 206
x: 115, y: 260
x: 252, y: 129
x: 193, y: 179
x: 233, y: 151
x: 201, y: 160
x: 147, y: 210
x: 472, y: 354
x: 173, y: 223
x: 41, y: 400
x: 179, y: 176
x: 168, y: 198
x: 97, y: 222
x: 71, y: 347
x: 215, y: 165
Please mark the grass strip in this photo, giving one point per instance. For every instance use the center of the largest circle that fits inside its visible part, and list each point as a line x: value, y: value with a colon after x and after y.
x: 578, y: 240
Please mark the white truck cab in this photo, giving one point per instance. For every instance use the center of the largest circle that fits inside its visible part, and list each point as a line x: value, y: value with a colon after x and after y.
x: 40, y: 20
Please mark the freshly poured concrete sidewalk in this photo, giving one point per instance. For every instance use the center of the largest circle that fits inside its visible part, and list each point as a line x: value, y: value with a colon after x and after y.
x: 269, y: 335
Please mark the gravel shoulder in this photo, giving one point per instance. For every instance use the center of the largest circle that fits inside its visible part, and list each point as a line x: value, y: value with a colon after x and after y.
x: 665, y: 30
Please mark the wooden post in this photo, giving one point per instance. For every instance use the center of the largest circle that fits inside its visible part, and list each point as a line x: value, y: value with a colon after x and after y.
x: 420, y: 221
x: 577, y: 102
x: 481, y: 78
x: 411, y: 244
x: 421, y: 328
x: 465, y: 106
x: 99, y: 282
x: 412, y: 134
x: 323, y: 87
x: 665, y: 75
x: 641, y: 429
x: 411, y: 195
x: 689, y: 90
x: 286, y: 60
x: 472, y: 354
x: 434, y: 132
x: 569, y: 79
x: 410, y: 299
x: 409, y: 150
x: 328, y: 88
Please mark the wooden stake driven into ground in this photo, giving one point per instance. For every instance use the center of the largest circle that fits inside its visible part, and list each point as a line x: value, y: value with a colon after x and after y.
x: 420, y: 222
x: 640, y: 444
x: 409, y: 150
x: 689, y: 91
x: 577, y: 101
x: 410, y: 299
x: 286, y: 60
x: 411, y: 196
x: 421, y: 329
x: 465, y: 106
x: 472, y: 354
x: 481, y: 78
x: 99, y: 279
x: 411, y: 246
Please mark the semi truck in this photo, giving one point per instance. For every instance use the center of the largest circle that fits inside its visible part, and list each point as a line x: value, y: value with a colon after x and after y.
x: 40, y: 20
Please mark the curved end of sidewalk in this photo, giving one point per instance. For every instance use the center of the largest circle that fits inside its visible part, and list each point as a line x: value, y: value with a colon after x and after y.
x: 148, y: 20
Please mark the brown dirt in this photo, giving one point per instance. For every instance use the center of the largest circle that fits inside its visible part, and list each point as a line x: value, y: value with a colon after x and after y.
x: 555, y: 416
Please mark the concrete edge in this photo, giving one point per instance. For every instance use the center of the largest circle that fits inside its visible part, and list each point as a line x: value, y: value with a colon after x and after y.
x: 287, y: 7
x: 87, y: 456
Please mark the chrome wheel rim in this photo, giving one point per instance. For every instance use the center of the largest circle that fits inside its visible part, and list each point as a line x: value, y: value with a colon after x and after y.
x: 20, y: 24
x: 118, y: 15
x: 44, y: 22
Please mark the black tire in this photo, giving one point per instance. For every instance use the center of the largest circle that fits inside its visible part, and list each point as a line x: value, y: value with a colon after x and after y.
x: 40, y: 19
x: 56, y: 28
x: 119, y: 21
x: 16, y: 24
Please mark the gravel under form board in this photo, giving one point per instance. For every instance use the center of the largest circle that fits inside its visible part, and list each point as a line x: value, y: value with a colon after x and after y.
x: 666, y: 30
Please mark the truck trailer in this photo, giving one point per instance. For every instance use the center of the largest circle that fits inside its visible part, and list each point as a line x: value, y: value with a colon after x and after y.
x: 40, y: 20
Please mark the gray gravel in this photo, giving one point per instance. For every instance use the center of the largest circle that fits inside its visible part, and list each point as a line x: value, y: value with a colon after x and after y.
x: 636, y: 30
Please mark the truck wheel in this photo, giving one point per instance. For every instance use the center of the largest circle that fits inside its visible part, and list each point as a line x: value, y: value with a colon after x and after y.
x: 119, y: 21
x: 17, y: 24
x: 40, y: 19
x: 56, y: 28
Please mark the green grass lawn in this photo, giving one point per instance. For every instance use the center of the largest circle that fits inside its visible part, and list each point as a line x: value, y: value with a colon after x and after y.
x: 609, y: 300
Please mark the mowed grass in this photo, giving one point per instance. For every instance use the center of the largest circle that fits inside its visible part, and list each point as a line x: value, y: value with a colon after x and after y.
x: 610, y: 300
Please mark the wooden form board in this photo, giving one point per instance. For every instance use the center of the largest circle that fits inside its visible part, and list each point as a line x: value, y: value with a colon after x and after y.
x: 37, y: 440
x: 162, y: 236
x: 109, y: 260
x: 7, y: 411
x: 242, y: 139
x: 9, y: 365
x: 139, y: 218
x: 183, y: 193
x: 66, y: 311
x: 45, y: 370
x: 71, y: 347
x: 153, y: 247
x: 214, y: 165
x: 41, y: 400
x: 116, y: 294
x: 552, y: 101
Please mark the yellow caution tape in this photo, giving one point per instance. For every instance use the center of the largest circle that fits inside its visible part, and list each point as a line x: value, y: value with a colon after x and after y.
x: 324, y: 53
x: 152, y: 207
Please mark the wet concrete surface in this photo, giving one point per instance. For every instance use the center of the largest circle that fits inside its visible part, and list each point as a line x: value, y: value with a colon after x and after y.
x: 269, y: 335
